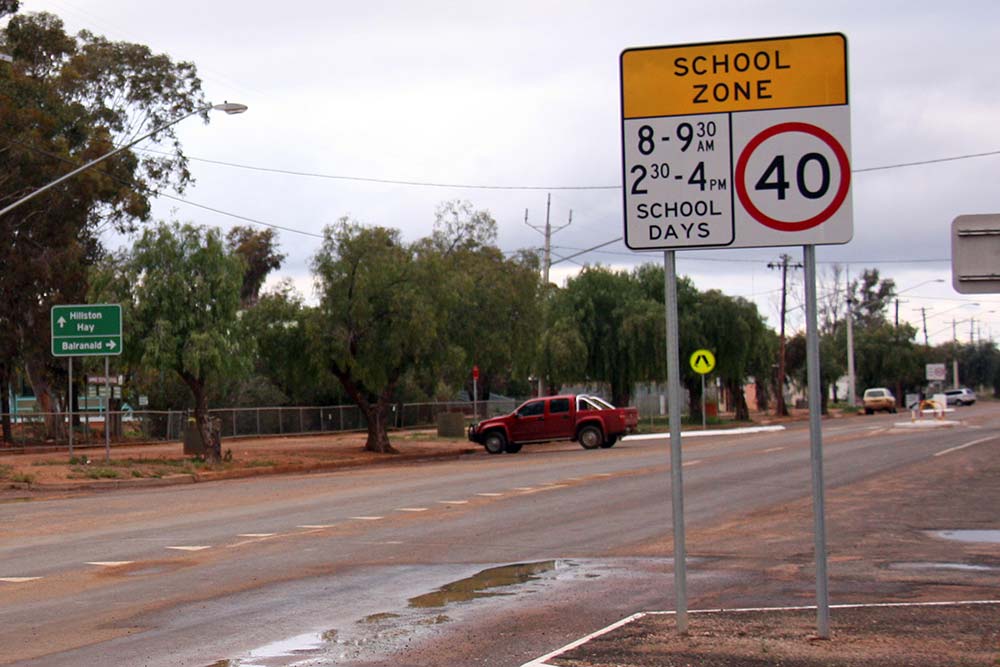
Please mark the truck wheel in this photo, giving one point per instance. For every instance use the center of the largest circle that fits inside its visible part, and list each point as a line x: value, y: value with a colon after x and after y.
x: 495, y: 442
x: 513, y: 447
x: 610, y: 442
x: 590, y: 437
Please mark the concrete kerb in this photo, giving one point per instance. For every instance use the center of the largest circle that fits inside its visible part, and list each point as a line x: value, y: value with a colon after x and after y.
x: 542, y: 661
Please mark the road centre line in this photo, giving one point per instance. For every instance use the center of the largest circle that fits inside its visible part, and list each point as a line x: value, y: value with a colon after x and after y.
x: 316, y: 526
x: 111, y: 563
x: 453, y: 502
x: 692, y: 463
x: 968, y: 444
x: 256, y: 535
x: 18, y: 580
x: 190, y: 548
x: 490, y: 495
x: 366, y: 518
x: 772, y: 449
x: 411, y: 509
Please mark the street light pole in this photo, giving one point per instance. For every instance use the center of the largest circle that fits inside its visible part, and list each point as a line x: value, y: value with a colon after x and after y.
x: 228, y: 107
x: 851, y: 388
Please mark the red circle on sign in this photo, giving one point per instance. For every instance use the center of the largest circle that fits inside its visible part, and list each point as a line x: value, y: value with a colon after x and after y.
x: 475, y: 372
x: 819, y: 218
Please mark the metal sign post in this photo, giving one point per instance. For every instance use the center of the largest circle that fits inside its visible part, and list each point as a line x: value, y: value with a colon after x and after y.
x: 816, y: 444
x: 676, y: 464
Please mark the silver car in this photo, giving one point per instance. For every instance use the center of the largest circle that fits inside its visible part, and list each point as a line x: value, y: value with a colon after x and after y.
x: 963, y: 396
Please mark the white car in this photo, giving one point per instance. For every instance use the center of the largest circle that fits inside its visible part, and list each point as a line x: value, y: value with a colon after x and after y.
x: 963, y: 396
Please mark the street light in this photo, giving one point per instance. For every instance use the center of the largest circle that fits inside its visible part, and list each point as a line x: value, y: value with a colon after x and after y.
x: 228, y: 107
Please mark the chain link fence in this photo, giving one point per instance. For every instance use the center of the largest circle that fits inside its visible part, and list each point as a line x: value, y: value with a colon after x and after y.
x: 33, y: 429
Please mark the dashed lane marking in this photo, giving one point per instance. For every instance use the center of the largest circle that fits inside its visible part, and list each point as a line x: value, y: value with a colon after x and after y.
x: 524, y: 488
x: 412, y: 509
x: 453, y: 502
x: 772, y: 449
x: 490, y: 495
x: 256, y: 535
x: 18, y: 580
x: 316, y: 526
x: 111, y: 563
x: 366, y: 518
x: 691, y: 463
x: 190, y: 548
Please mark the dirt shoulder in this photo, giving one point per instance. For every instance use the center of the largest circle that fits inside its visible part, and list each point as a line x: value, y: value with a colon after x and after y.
x: 891, y: 539
x: 28, y: 474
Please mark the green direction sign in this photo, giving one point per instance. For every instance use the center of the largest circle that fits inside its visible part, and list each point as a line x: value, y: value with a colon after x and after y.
x: 87, y: 330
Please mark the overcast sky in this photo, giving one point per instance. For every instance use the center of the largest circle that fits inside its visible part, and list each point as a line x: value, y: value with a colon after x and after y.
x: 519, y: 99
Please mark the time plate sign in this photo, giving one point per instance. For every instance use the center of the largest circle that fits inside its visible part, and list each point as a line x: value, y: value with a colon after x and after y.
x: 736, y: 144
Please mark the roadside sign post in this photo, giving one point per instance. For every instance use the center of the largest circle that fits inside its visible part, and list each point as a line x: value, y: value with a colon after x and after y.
x: 740, y: 144
x: 702, y: 363
x: 87, y: 330
x: 475, y: 393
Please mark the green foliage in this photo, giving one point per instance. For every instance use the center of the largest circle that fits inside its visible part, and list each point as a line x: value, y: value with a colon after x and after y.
x: 64, y: 101
x: 260, y: 257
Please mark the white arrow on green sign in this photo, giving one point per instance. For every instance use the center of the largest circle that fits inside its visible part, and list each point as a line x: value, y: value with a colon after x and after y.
x: 87, y: 330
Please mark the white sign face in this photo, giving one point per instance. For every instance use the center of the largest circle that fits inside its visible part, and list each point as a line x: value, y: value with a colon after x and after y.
x: 766, y: 162
x: 936, y: 372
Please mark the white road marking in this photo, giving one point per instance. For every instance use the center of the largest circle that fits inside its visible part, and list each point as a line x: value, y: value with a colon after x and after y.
x: 772, y: 449
x: 412, y: 509
x: 256, y: 535
x: 541, y: 662
x: 111, y: 563
x: 524, y: 488
x: 191, y: 548
x: 366, y: 518
x: 316, y: 526
x: 490, y: 495
x: 691, y: 463
x: 968, y: 444
x: 453, y: 502
x: 18, y: 580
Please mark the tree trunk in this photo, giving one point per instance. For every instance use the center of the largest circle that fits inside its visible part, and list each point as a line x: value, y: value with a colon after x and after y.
x: 55, y: 424
x: 8, y: 436
x: 741, y: 412
x: 378, y: 434
x: 209, y: 438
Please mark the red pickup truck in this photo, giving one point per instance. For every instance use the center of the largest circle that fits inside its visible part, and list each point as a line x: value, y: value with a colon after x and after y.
x: 589, y: 420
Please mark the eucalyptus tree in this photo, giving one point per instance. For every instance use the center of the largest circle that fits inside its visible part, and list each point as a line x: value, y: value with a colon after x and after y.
x: 377, y: 319
x: 66, y: 100
x: 182, y: 302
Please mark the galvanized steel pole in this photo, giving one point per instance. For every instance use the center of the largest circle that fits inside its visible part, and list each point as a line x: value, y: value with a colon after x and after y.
x: 814, y: 380
x: 674, y: 400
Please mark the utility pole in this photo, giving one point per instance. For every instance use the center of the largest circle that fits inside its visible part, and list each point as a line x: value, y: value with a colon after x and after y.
x: 954, y: 352
x: 923, y: 312
x: 547, y: 231
x: 782, y: 409
x: 852, y: 392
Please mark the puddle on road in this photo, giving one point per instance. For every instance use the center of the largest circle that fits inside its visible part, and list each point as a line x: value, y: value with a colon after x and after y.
x: 989, y: 536
x: 482, y: 585
x: 964, y: 567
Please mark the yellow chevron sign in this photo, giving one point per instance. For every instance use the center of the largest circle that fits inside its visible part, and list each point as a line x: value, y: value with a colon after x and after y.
x: 702, y: 361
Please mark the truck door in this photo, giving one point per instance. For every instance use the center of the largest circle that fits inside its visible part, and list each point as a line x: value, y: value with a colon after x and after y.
x: 529, y: 422
x: 559, y: 424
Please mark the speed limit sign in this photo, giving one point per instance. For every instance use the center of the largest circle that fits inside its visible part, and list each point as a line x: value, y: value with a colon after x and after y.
x: 737, y: 144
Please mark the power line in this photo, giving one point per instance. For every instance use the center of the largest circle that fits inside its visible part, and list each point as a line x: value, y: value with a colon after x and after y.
x: 481, y: 186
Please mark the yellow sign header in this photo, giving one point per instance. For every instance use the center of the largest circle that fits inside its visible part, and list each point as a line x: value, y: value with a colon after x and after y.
x: 775, y: 73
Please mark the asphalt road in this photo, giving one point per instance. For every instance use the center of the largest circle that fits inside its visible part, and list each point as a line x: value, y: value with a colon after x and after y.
x: 330, y: 568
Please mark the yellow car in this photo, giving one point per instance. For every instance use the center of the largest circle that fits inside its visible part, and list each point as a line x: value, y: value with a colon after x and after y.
x: 879, y: 398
